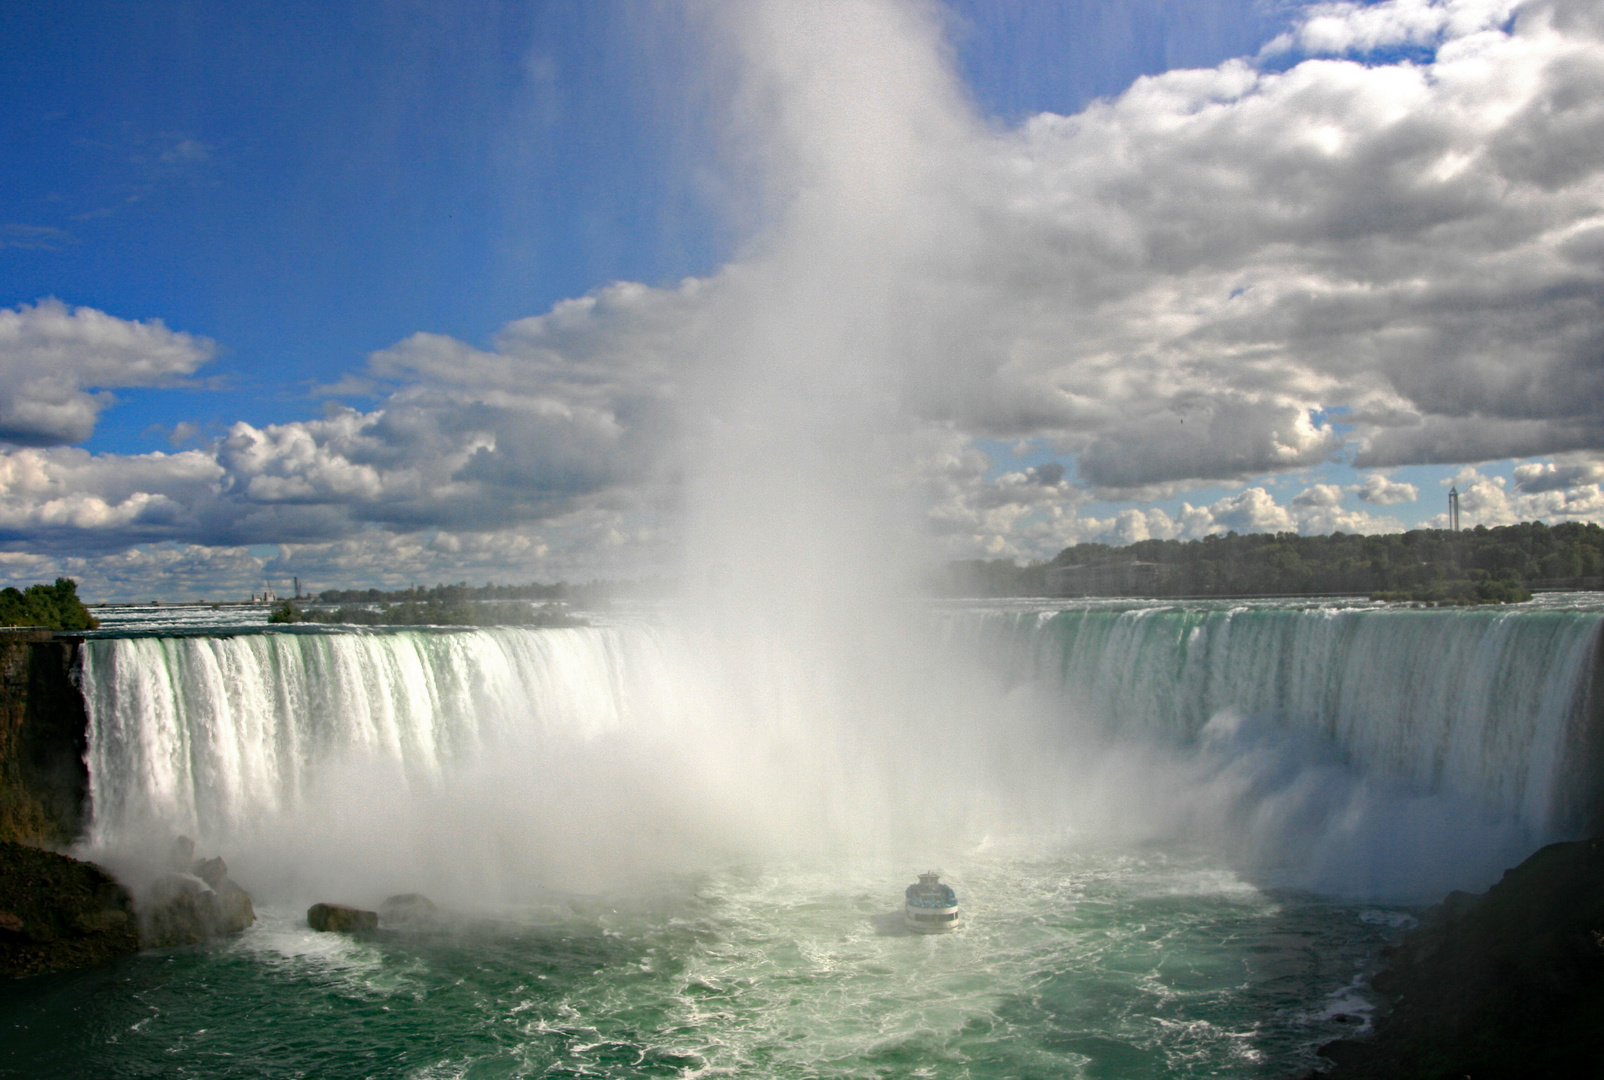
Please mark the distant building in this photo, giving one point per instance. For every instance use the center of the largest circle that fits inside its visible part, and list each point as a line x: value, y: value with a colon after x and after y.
x: 1132, y: 578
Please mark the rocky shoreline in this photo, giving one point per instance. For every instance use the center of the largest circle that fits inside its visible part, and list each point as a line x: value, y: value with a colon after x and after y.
x: 1508, y: 984
x: 58, y: 913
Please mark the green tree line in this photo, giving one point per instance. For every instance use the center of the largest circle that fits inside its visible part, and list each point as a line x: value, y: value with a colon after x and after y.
x: 1479, y: 564
x: 445, y: 594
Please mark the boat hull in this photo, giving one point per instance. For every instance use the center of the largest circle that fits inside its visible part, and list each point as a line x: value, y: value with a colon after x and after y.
x: 924, y: 920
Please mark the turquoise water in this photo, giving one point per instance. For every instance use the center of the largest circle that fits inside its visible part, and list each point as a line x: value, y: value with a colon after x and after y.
x: 1092, y: 962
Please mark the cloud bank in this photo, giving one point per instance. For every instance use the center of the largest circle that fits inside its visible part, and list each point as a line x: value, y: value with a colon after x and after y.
x: 1321, y: 254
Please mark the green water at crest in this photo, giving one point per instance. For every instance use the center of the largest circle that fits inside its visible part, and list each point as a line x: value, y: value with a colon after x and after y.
x: 1145, y: 962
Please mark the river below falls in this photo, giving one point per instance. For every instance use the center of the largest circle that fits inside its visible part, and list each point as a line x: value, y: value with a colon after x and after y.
x: 1079, y: 961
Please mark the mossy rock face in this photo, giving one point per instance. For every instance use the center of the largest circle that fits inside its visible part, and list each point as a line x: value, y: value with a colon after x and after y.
x: 59, y: 914
x: 339, y: 919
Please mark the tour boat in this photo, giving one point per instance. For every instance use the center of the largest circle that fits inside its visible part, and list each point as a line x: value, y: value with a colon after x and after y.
x: 932, y: 907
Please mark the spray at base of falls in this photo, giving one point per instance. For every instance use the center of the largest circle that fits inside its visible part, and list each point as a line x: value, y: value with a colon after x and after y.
x: 1496, y: 704
x: 1346, y: 750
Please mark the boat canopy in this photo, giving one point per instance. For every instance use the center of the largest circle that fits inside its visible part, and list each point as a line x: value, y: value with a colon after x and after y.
x: 929, y: 892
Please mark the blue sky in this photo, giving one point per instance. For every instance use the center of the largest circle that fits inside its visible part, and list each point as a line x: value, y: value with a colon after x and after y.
x: 306, y: 184
x: 395, y: 291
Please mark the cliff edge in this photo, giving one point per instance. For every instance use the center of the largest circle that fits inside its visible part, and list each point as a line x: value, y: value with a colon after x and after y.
x: 1509, y: 984
x: 44, y: 731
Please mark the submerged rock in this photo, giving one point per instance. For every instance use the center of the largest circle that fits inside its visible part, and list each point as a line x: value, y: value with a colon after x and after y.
x: 59, y: 914
x: 339, y: 919
x: 1506, y: 984
x: 408, y: 909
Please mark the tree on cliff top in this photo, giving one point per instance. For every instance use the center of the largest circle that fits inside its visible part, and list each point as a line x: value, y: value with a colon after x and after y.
x: 56, y: 607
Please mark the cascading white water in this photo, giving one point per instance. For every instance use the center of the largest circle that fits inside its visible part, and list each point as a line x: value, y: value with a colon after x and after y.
x: 202, y: 734
x: 1375, y: 751
x: 1490, y: 704
x: 570, y: 755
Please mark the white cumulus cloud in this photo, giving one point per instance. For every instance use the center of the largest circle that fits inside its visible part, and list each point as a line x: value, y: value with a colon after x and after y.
x: 1380, y: 490
x: 57, y: 364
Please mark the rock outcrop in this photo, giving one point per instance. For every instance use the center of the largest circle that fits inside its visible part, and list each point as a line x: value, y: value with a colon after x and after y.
x: 58, y: 914
x: 44, y: 783
x: 408, y: 909
x: 339, y: 919
x: 1509, y: 984
x: 186, y: 907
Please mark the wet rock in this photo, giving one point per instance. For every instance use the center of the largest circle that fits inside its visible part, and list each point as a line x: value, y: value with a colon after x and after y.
x: 234, y: 909
x: 44, y: 783
x: 339, y: 919
x: 178, y: 909
x: 210, y: 871
x: 408, y: 909
x: 188, y: 908
x: 1504, y: 985
x: 59, y: 914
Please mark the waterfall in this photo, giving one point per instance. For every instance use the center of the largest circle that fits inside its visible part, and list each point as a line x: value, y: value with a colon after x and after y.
x: 576, y: 754
x: 204, y: 733
x: 1388, y: 751
x: 1492, y: 704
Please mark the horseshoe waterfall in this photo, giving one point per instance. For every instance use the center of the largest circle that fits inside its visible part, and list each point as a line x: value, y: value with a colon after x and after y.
x: 660, y: 846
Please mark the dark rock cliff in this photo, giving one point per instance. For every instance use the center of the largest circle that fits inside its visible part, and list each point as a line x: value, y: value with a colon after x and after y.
x: 44, y: 781
x: 59, y: 914
x: 1509, y: 984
